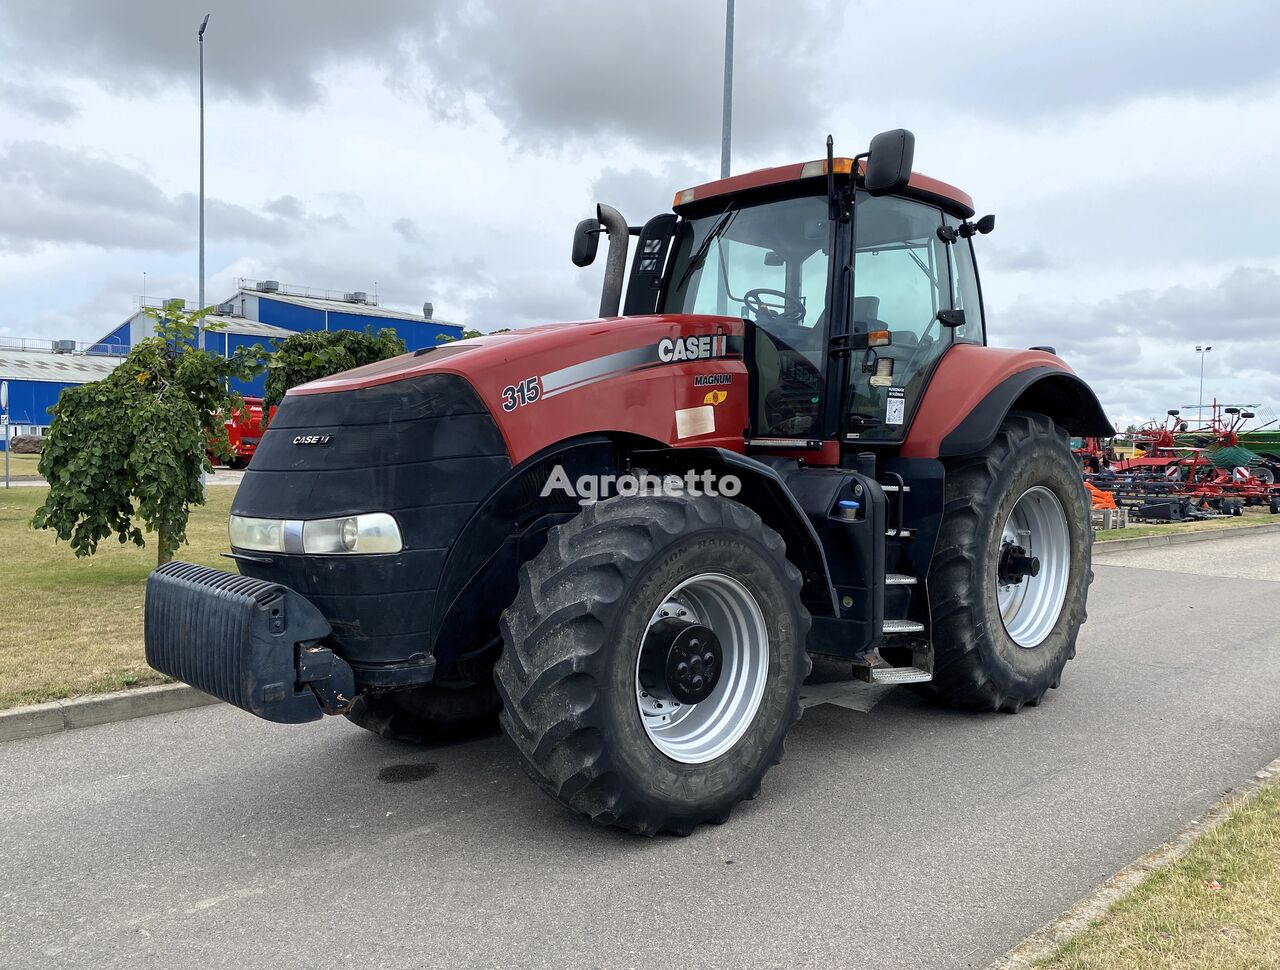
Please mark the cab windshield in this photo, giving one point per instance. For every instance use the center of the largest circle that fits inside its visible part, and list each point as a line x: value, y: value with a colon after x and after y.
x: 768, y: 264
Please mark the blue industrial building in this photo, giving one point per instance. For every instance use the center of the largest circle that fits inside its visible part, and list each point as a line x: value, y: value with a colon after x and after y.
x: 265, y: 310
x: 37, y: 371
x: 260, y: 312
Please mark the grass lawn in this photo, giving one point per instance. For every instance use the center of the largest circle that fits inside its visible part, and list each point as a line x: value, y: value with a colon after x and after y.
x: 74, y: 626
x: 21, y: 466
x: 1252, y: 516
x: 1217, y: 907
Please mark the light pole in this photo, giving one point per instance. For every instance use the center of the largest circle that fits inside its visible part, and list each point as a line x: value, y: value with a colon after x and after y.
x: 200, y: 298
x: 1201, y: 351
x: 728, y: 90
x: 4, y: 423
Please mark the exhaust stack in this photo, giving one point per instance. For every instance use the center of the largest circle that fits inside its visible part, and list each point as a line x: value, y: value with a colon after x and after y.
x: 615, y: 267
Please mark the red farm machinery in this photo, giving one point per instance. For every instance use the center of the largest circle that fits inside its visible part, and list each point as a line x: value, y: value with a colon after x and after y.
x: 1180, y: 470
x: 623, y: 538
x: 244, y: 431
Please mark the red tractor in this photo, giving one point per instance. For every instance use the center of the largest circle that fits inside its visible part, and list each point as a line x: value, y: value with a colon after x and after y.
x: 625, y: 537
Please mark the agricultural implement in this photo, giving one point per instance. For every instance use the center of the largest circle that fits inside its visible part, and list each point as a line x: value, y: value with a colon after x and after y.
x: 624, y: 538
x: 1204, y: 469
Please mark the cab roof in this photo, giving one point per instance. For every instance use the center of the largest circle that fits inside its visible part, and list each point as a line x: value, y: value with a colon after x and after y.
x: 947, y: 197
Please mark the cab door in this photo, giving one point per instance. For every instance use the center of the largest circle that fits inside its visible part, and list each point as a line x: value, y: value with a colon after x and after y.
x: 902, y: 277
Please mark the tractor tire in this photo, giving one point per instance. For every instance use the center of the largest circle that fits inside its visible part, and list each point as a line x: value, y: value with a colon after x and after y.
x: 430, y: 714
x: 1001, y: 642
x: 592, y: 697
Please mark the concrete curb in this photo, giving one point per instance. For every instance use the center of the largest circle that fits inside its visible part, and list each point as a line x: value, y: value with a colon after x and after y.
x: 1044, y: 943
x: 1177, y: 538
x: 81, y: 712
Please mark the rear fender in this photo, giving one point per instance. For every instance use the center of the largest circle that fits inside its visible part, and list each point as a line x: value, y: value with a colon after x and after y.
x: 1059, y: 395
x: 974, y: 388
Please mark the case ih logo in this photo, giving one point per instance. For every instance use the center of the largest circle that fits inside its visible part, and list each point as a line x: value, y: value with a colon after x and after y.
x: 313, y: 439
x: 692, y: 348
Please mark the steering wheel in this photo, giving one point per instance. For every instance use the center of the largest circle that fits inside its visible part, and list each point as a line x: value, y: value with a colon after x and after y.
x: 790, y: 313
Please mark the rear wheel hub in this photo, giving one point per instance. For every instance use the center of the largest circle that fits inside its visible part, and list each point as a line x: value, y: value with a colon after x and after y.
x: 1015, y: 564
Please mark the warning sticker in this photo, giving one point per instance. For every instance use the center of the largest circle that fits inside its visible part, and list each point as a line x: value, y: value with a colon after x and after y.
x: 895, y: 406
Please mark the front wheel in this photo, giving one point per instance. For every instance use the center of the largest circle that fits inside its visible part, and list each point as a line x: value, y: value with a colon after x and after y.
x: 1010, y: 575
x: 653, y: 661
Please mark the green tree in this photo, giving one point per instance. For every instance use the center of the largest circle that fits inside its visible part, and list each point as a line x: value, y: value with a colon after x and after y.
x: 313, y: 355
x: 125, y: 453
x: 444, y: 338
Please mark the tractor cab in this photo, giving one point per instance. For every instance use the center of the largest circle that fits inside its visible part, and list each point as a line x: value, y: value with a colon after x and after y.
x: 850, y: 293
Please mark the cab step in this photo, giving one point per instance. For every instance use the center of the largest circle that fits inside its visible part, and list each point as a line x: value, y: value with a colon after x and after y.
x: 899, y: 579
x: 901, y: 626
x: 899, y: 675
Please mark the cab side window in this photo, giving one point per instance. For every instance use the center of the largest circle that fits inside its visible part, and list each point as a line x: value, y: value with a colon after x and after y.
x: 964, y: 287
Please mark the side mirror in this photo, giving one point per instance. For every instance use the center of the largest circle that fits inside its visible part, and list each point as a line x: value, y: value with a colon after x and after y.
x: 986, y: 224
x: 889, y: 162
x: 1247, y: 415
x: 586, y: 240
x: 1174, y: 413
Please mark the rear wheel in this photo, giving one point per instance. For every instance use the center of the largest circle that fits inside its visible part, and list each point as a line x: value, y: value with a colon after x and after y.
x: 1011, y: 572
x: 653, y: 661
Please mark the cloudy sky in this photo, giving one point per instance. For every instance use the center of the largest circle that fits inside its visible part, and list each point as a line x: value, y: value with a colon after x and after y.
x: 443, y: 151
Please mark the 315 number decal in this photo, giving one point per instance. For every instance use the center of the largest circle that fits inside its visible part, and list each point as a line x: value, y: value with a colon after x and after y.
x: 518, y: 395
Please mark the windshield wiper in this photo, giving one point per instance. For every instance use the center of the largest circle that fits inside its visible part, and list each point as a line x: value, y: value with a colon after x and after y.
x: 716, y: 231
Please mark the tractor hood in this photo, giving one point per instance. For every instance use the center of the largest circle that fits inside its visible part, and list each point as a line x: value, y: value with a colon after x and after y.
x: 617, y: 374
x: 428, y: 438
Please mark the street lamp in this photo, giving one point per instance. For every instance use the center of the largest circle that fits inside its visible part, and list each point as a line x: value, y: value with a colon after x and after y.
x: 200, y: 298
x: 728, y: 90
x: 1202, y: 351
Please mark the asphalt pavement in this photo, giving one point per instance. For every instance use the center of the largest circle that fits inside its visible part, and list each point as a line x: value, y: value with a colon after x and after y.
x: 893, y: 834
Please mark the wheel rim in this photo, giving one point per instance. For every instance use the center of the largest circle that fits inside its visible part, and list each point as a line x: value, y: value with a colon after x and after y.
x: 1030, y: 607
x: 701, y: 732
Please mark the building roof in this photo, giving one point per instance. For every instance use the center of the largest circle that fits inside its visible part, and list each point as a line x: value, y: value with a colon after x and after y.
x: 44, y: 365
x: 343, y: 306
x: 248, y: 328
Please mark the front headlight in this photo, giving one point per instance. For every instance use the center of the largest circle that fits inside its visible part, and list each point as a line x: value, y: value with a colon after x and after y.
x: 264, y: 535
x: 369, y: 532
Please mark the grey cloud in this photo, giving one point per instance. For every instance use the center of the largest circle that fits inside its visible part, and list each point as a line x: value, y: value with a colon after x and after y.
x: 287, y: 207
x: 1015, y: 258
x: 58, y: 195
x: 253, y: 50
x: 39, y: 101
x: 651, y: 72
x: 639, y: 193
x: 408, y: 230
x: 1029, y: 62
x: 1137, y: 348
x: 574, y: 68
